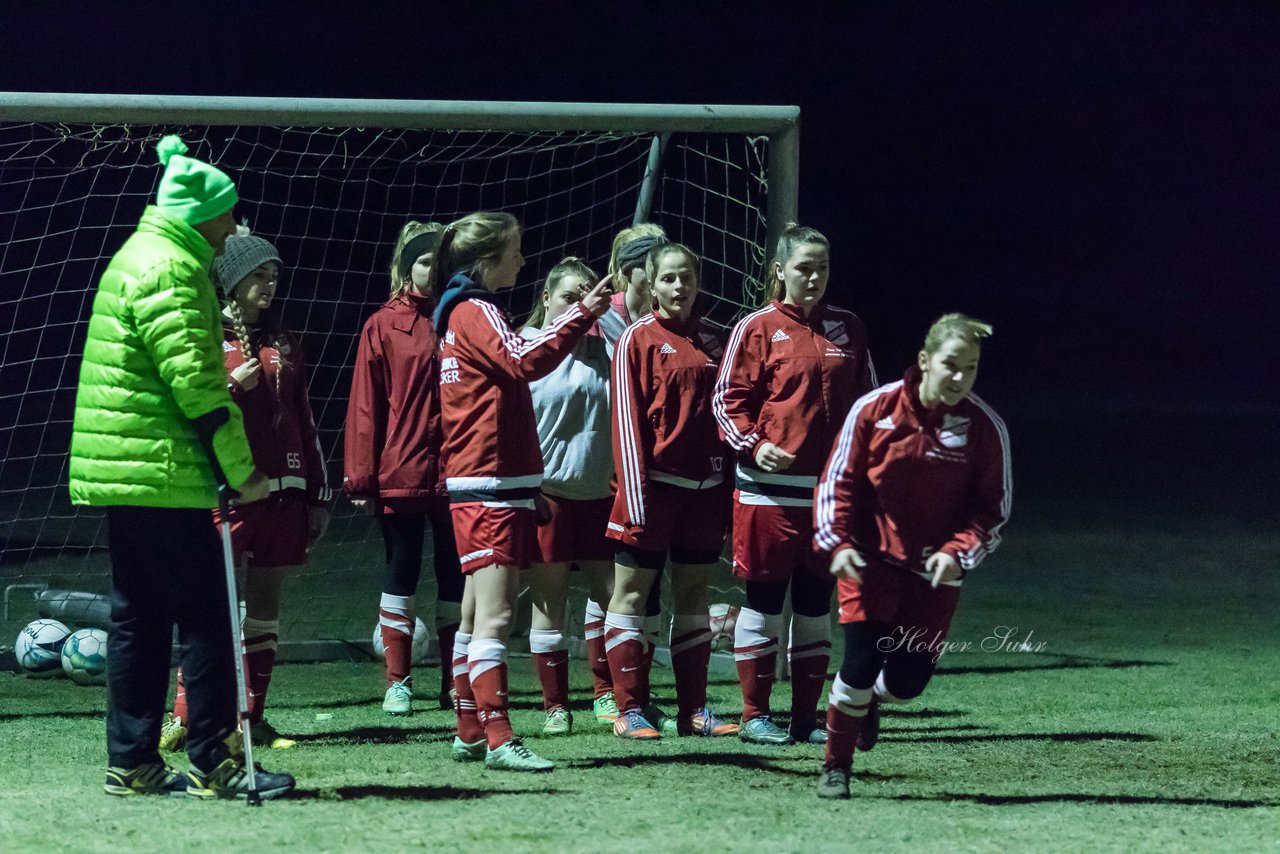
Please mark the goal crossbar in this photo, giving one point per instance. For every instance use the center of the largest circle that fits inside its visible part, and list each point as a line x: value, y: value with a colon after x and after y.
x: 780, y: 123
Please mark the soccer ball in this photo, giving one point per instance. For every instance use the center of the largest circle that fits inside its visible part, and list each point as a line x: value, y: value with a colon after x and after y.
x: 84, y: 657
x: 38, y: 646
x: 724, y: 617
x: 420, y: 640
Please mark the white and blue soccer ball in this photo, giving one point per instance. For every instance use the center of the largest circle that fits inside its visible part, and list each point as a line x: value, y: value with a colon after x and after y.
x: 39, y: 646
x: 84, y: 657
x: 421, y: 641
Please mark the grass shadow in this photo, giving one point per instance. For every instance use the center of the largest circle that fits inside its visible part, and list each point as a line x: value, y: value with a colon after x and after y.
x: 890, y: 712
x: 744, y: 761
x: 374, y: 735
x: 409, y: 793
x: 1079, y: 798
x: 1069, y: 663
x: 930, y: 729
x: 1023, y: 736
x: 100, y: 715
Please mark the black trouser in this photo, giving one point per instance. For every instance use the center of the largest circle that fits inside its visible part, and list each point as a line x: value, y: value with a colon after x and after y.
x: 167, y: 567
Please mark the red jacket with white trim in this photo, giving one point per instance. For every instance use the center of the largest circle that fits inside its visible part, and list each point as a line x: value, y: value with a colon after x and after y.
x: 904, y: 482
x: 663, y: 429
x: 277, y: 414
x: 790, y: 380
x: 490, y: 433
x: 393, y: 433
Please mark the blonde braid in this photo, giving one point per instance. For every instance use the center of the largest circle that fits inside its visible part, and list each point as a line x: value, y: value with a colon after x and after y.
x: 237, y: 323
x: 278, y: 341
x: 242, y: 332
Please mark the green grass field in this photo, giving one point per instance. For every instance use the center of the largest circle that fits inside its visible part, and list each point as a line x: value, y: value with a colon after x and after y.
x: 1149, y: 721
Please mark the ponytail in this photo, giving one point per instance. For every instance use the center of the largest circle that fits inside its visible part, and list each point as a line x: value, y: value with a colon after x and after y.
x: 793, y: 237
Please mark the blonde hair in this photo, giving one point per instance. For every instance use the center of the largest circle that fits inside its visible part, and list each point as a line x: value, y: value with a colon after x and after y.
x: 955, y: 325
x: 657, y: 253
x: 412, y: 228
x: 792, y: 238
x: 571, y: 266
x: 644, y: 229
x: 470, y: 245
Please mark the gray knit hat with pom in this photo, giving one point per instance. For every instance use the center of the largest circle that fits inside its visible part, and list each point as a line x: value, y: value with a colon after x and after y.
x: 243, y: 253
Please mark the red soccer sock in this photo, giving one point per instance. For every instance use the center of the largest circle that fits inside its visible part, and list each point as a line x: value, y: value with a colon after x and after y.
x: 810, y: 656
x: 551, y: 661
x: 261, y: 639
x: 755, y: 652
x: 487, y: 666
x: 180, y: 701
x: 470, y: 730
x: 845, y: 714
x: 624, y: 647
x: 444, y: 637
x: 396, y: 622
x: 690, y: 654
x: 593, y: 634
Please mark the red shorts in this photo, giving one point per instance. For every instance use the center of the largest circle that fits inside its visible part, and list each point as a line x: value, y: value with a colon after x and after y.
x: 494, y: 535
x: 575, y: 531
x: 271, y: 532
x: 772, y: 542
x: 678, y: 520
x: 899, y: 598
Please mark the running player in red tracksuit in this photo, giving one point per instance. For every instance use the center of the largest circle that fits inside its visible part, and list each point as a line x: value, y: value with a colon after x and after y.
x: 914, y: 495
x: 392, y: 459
x: 492, y: 462
x: 671, y: 497
x: 268, y: 382
x: 790, y: 373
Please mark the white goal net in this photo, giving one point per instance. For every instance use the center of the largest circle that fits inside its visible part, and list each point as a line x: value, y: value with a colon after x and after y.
x: 332, y: 195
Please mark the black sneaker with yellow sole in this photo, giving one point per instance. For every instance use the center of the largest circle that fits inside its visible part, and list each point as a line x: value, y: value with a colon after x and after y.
x: 231, y: 780
x: 153, y: 778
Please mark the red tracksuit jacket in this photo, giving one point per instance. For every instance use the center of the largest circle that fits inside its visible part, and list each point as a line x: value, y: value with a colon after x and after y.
x: 287, y: 451
x: 904, y: 481
x: 393, y: 433
x: 490, y: 434
x: 790, y: 380
x: 663, y: 429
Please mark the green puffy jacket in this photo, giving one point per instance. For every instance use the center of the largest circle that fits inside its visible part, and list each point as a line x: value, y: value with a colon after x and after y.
x: 152, y: 363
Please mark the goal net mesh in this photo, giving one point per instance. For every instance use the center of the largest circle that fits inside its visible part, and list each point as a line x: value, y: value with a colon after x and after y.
x: 332, y: 200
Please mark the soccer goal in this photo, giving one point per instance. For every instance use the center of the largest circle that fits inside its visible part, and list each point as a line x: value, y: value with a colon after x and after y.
x: 331, y: 182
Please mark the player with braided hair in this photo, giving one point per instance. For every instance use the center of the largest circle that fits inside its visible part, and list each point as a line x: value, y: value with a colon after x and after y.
x: 392, y: 462
x: 267, y: 380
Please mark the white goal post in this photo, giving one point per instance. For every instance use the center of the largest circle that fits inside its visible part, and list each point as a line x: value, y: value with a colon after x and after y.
x: 330, y: 181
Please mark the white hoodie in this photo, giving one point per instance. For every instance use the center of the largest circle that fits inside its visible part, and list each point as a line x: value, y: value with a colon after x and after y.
x: 571, y: 407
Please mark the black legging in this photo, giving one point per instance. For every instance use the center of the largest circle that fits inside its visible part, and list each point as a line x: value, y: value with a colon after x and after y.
x: 906, y: 670
x: 402, y: 535
x: 810, y: 595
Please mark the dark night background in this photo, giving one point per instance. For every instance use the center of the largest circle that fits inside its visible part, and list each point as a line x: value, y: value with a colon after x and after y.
x: 1098, y: 180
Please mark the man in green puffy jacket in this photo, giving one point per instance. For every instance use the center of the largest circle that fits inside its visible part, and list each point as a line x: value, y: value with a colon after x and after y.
x: 155, y: 433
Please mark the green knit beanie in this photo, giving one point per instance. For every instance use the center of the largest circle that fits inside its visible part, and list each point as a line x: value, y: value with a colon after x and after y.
x: 190, y: 190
